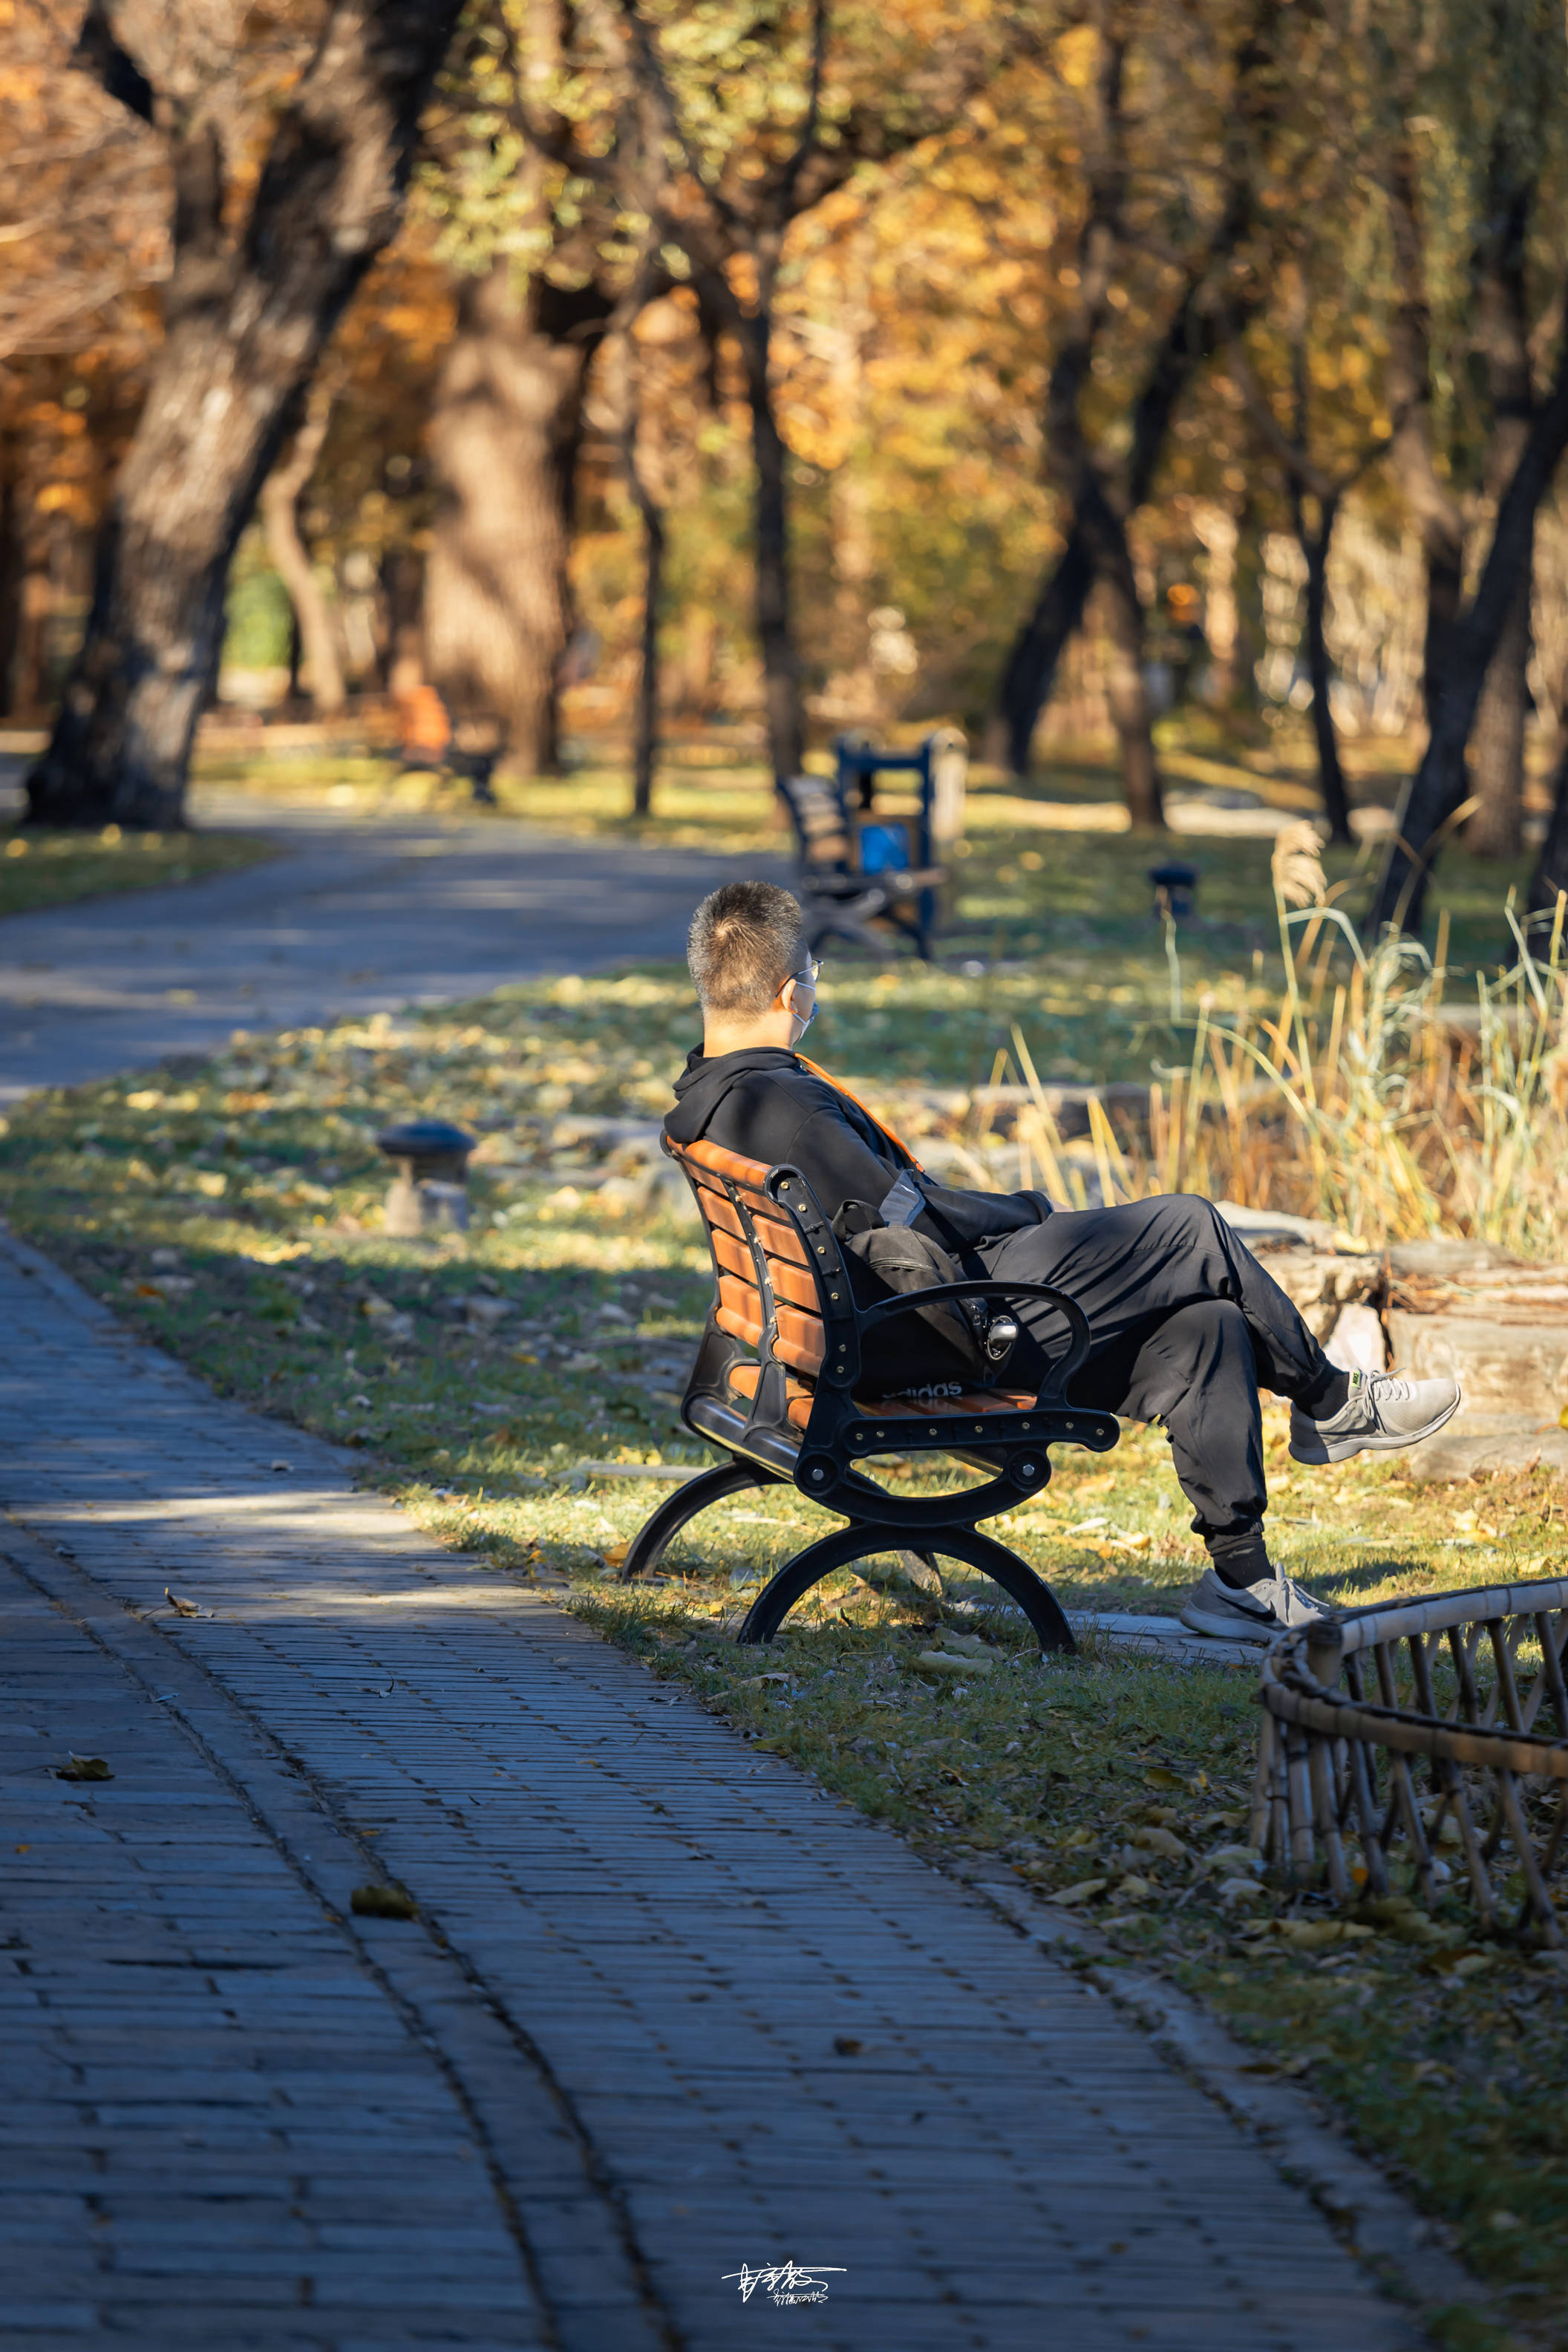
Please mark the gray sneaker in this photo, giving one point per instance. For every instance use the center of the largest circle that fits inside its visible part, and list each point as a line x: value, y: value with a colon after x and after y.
x: 1250, y: 1613
x: 1380, y: 1415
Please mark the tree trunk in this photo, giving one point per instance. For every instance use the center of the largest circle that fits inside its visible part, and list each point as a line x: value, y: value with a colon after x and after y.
x: 775, y: 624
x: 1443, y: 549
x: 1550, y: 876
x: 11, y: 561
x: 1435, y: 790
x: 1127, y: 695
x: 1314, y: 546
x: 1497, y: 756
x: 314, y: 633
x: 504, y: 438
x: 245, y: 323
x: 1496, y: 750
x: 1127, y: 689
x: 1027, y: 682
x: 645, y: 747
x: 644, y: 757
x: 1031, y: 671
x: 1431, y: 504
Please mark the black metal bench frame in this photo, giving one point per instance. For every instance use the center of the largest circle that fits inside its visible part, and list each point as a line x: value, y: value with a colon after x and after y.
x: 766, y: 1448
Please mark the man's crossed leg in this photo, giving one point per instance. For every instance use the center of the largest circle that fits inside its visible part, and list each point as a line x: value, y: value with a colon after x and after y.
x: 1187, y: 1326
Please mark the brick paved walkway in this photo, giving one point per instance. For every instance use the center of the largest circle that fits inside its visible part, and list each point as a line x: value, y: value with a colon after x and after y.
x: 600, y: 2071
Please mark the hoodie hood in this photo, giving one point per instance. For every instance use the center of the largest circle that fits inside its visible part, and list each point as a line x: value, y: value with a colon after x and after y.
x: 764, y: 1105
x: 703, y: 1084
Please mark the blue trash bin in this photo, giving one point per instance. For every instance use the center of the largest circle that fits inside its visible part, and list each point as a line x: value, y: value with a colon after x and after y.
x: 884, y: 848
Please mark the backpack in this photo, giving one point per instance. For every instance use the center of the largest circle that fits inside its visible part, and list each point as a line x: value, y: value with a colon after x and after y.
x: 948, y: 1341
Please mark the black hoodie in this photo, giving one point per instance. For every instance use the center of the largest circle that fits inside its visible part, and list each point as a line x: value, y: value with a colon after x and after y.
x: 763, y: 1104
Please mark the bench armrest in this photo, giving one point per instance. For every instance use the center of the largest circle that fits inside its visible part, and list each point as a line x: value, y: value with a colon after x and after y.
x: 1053, y: 1388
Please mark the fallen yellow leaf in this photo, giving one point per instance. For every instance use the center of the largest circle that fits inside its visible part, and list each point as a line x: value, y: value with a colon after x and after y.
x: 1084, y: 1892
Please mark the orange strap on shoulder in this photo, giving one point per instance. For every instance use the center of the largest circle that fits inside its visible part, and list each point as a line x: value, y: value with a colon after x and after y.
x: 840, y: 1089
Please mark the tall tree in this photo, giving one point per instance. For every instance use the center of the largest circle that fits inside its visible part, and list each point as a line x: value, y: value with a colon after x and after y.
x: 541, y: 259
x: 1314, y: 338
x: 1429, y: 495
x: 504, y: 435
x: 1503, y: 331
x: 766, y: 109
x: 1469, y: 137
x: 291, y: 561
x: 256, y: 288
x: 626, y: 399
x: 1104, y: 461
x: 1435, y: 793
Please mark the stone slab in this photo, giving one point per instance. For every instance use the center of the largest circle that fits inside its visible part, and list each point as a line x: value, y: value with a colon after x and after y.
x: 1129, y: 1635
x: 1504, y: 1366
x: 1469, y: 1448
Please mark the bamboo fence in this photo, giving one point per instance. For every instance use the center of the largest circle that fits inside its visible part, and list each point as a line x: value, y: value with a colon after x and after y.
x: 1423, y: 1747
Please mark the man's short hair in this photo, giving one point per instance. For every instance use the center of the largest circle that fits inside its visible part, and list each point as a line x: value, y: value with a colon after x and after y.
x: 746, y: 940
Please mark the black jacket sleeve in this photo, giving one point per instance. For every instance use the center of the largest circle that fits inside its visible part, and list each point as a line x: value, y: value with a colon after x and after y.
x: 840, y: 1168
x: 836, y: 1163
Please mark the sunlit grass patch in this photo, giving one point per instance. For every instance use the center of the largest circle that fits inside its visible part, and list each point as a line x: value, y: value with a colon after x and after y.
x: 43, y: 867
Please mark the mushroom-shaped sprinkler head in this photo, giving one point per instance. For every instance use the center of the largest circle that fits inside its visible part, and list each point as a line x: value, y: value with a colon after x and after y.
x: 430, y: 1191
x: 1175, y: 888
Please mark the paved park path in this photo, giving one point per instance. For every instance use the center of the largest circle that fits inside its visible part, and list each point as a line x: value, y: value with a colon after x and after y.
x: 346, y: 919
x: 666, y: 2010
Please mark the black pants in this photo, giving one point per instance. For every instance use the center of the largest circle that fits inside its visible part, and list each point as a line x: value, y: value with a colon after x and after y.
x: 1187, y: 1328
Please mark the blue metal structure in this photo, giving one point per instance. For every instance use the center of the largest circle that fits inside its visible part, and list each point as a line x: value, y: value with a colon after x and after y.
x: 859, y: 765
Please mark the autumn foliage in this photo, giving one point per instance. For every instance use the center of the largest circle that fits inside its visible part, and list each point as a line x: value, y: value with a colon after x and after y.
x: 1025, y: 365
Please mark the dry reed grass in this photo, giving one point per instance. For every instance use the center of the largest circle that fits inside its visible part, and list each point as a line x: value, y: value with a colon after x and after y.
x: 1361, y: 1098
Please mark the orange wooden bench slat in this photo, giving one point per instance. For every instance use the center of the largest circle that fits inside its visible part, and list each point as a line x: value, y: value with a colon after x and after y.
x: 719, y: 1213
x: 968, y: 1405
x: 965, y: 1405
x: 738, y: 1324
x: 781, y: 1240
x: 800, y: 1339
x: 795, y: 1285
x: 751, y: 1174
x: 744, y: 1378
x: 777, y: 1238
x: 733, y: 1256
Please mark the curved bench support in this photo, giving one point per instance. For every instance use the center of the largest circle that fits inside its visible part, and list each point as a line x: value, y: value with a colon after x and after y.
x: 864, y: 1539
x: 689, y: 1499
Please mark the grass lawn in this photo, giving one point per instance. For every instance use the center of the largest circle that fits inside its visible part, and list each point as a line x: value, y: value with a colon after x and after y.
x: 40, y: 867
x: 230, y: 1210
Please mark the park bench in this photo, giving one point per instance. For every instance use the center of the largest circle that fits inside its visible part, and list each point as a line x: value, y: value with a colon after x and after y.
x: 840, y: 899
x: 777, y: 1386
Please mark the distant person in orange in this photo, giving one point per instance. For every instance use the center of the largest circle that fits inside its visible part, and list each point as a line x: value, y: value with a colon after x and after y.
x: 424, y: 728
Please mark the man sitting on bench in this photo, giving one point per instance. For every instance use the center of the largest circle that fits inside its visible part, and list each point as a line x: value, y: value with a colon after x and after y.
x: 1186, y: 1326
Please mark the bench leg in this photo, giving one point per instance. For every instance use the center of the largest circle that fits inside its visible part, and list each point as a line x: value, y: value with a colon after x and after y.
x: 864, y: 1539
x: 688, y: 1500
